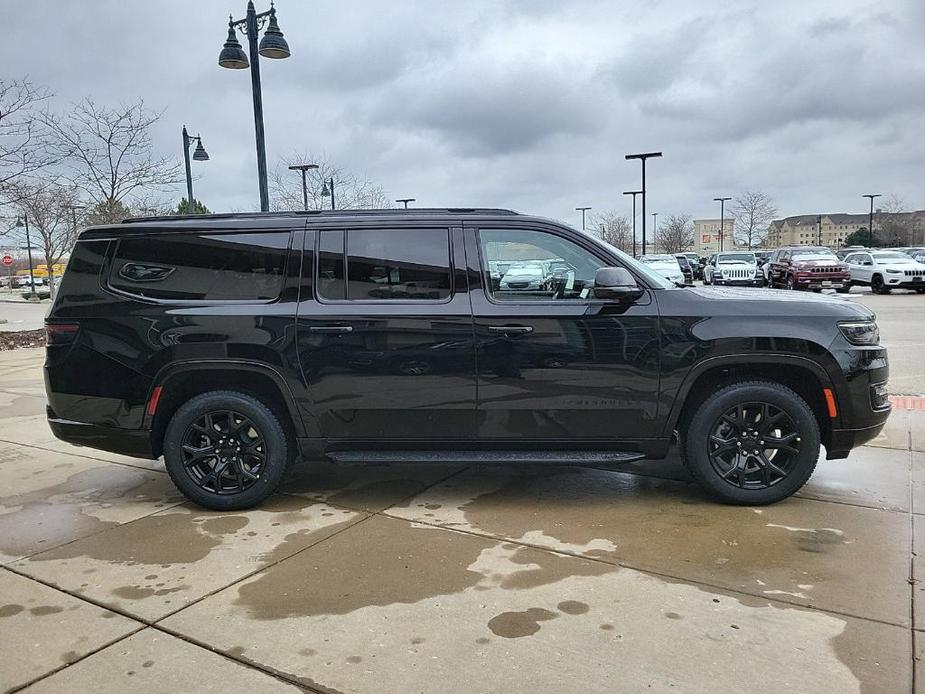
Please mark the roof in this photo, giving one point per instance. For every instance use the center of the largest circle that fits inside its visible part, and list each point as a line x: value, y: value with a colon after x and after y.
x: 416, y: 211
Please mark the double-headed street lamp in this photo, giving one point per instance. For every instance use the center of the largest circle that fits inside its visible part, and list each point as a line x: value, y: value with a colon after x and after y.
x: 199, y: 154
x: 722, y: 220
x: 643, y: 157
x: 303, y: 168
x: 272, y: 45
x: 406, y: 201
x: 634, y: 193
x: 582, y: 210
x: 870, y: 217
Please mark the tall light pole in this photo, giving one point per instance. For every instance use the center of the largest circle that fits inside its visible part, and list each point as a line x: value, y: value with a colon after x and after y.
x: 870, y: 217
x: 406, y: 201
x: 583, y: 210
x: 722, y: 221
x: 20, y: 223
x: 272, y: 45
x: 328, y: 189
x: 303, y: 168
x: 199, y: 154
x: 634, y: 193
x: 643, y: 157
x: 73, y: 209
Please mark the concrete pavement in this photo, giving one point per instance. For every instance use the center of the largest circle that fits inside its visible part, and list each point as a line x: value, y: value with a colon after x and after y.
x: 452, y: 579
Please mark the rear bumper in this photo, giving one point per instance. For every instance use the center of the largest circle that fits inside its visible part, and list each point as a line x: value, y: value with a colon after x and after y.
x: 134, y: 443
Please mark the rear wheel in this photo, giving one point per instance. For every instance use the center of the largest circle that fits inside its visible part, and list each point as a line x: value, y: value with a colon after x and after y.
x: 226, y: 450
x: 752, y: 443
x: 877, y: 285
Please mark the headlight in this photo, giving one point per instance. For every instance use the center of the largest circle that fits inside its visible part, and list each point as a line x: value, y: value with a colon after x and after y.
x: 894, y: 271
x: 860, y: 332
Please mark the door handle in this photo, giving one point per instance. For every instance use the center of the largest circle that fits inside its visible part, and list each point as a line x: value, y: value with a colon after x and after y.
x: 335, y: 329
x: 511, y: 329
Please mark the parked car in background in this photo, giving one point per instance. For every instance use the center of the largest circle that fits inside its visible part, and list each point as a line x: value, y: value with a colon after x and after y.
x: 696, y: 264
x: 845, y: 251
x: 766, y: 268
x: 915, y: 252
x: 808, y: 267
x: 762, y: 257
x: 686, y: 268
x: 231, y: 344
x: 886, y: 270
x: 738, y: 268
x: 531, y: 277
x: 665, y: 265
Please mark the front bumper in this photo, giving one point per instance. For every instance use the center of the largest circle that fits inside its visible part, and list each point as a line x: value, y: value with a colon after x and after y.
x: 754, y: 282
x: 844, y: 440
x: 816, y: 281
x: 901, y: 282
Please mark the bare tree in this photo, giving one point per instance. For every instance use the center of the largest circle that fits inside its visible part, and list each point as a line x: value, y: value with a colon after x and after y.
x: 110, y: 154
x: 615, y: 229
x: 23, y: 141
x: 675, y: 234
x: 350, y: 190
x: 752, y: 211
x: 895, y: 225
x: 53, y: 221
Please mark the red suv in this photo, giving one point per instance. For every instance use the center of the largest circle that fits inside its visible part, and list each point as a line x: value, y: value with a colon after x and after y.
x: 808, y: 267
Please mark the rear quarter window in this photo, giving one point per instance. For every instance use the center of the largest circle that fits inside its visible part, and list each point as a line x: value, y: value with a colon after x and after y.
x: 201, y: 267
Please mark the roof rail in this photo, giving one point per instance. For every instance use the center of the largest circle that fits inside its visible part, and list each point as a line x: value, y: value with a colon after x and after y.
x: 327, y: 213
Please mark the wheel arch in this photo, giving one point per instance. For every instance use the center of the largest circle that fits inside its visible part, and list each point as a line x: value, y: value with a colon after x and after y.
x: 181, y: 381
x: 804, y: 376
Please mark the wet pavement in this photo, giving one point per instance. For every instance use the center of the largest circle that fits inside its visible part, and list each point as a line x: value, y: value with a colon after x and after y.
x: 453, y: 579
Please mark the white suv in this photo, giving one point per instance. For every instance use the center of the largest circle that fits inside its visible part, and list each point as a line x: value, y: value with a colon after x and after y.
x: 886, y: 270
x: 737, y: 268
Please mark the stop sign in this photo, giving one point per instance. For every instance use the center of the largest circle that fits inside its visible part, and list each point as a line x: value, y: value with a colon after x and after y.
x: 7, y: 259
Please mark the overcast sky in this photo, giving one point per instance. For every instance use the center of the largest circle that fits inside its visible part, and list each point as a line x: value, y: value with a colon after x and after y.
x: 529, y: 104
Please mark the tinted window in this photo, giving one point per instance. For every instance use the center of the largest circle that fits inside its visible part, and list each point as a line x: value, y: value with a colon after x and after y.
x: 382, y: 264
x: 331, y: 265
x: 212, y: 267
x: 524, y: 265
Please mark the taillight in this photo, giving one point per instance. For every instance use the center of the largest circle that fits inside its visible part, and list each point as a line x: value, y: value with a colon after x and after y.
x: 60, y: 333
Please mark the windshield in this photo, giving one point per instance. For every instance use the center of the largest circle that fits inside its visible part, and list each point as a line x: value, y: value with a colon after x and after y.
x: 814, y: 254
x: 653, y: 278
x: 736, y: 257
x: 893, y: 257
x: 657, y: 259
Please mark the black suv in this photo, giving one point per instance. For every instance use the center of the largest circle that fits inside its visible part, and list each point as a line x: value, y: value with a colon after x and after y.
x: 231, y: 344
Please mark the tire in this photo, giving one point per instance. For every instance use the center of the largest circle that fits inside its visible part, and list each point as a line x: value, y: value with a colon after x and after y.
x: 877, y: 285
x: 845, y: 289
x: 721, y: 468
x: 260, y: 455
x: 920, y: 290
x: 792, y: 283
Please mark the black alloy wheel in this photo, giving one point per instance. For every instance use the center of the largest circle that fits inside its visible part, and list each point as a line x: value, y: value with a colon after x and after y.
x: 877, y: 285
x: 223, y: 452
x: 754, y: 445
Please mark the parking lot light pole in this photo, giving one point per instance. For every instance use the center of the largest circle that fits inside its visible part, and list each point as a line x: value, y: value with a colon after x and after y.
x: 870, y: 217
x: 199, y: 155
x: 722, y: 220
x: 405, y: 201
x: 328, y: 189
x: 20, y: 223
x: 233, y: 57
x: 634, y: 193
x: 654, y: 231
x: 303, y: 168
x: 643, y: 157
x: 583, y: 210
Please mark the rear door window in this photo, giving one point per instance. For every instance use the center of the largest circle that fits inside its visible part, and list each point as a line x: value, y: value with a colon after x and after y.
x: 201, y: 267
x: 384, y: 265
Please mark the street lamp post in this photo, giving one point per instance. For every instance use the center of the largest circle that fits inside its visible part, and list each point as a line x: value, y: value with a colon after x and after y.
x: 870, y: 217
x: 20, y: 223
x: 74, y: 209
x: 722, y: 221
x: 199, y: 155
x: 643, y: 157
x: 634, y: 193
x: 272, y: 45
x: 654, y: 231
x: 328, y: 189
x: 303, y: 168
x: 406, y: 201
x: 583, y: 210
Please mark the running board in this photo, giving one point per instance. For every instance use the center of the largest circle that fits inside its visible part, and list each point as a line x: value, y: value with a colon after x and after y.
x: 596, y: 458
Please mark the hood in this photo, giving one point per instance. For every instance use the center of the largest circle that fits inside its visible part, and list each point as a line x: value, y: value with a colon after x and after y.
x: 734, y: 262
x: 828, y: 304
x: 818, y: 262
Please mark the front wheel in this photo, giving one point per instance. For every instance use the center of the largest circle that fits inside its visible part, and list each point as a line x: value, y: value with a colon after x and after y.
x: 752, y: 443
x: 791, y: 282
x: 226, y: 450
x: 844, y: 289
x: 877, y: 285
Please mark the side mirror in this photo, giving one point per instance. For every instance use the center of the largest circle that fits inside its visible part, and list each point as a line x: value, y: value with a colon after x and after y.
x: 616, y: 284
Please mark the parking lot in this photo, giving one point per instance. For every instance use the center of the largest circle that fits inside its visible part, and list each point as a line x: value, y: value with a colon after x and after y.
x: 462, y: 579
